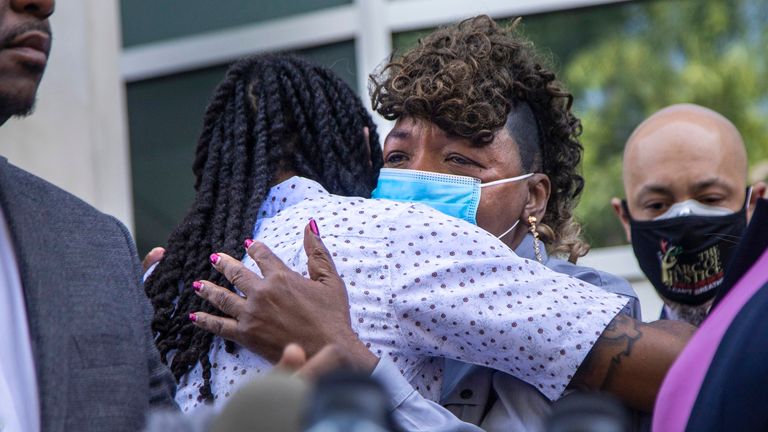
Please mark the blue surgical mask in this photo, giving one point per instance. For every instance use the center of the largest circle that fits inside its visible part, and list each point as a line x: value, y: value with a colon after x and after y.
x: 457, y: 196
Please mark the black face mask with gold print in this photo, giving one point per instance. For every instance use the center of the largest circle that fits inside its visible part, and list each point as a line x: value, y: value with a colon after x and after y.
x: 685, y: 257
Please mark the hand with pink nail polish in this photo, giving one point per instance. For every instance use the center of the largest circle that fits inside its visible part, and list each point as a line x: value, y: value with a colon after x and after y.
x: 281, y: 308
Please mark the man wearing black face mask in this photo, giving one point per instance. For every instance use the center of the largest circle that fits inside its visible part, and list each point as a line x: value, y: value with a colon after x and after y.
x: 687, y: 204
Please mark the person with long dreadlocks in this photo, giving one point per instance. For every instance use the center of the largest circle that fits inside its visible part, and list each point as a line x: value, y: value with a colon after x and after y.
x: 284, y: 146
x: 269, y: 116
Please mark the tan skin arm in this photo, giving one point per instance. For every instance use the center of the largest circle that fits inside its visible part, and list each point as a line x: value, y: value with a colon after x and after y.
x: 631, y: 358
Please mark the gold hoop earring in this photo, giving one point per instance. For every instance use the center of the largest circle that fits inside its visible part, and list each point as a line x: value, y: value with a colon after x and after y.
x: 532, y: 222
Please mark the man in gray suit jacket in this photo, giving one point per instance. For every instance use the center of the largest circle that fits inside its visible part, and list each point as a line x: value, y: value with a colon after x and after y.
x: 76, y: 351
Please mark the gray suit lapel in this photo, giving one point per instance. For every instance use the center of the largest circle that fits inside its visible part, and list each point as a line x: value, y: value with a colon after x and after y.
x: 47, y: 305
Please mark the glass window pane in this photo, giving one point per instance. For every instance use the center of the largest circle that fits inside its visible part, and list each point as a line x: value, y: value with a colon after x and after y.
x: 145, y: 21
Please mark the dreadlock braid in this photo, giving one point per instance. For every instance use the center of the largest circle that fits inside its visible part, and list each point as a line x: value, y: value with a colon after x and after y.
x: 271, y: 114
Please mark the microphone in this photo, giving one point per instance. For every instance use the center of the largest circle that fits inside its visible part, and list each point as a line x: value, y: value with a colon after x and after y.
x: 349, y: 402
x: 339, y: 402
x: 272, y: 403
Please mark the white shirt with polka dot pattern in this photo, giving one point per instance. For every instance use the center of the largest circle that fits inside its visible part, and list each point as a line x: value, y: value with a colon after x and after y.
x: 423, y: 286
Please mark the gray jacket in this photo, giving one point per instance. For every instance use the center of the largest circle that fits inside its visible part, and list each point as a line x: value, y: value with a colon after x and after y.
x: 97, y: 367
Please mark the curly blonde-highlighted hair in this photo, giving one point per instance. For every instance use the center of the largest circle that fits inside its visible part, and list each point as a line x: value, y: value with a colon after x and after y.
x: 466, y: 78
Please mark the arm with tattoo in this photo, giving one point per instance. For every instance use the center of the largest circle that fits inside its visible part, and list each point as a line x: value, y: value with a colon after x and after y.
x: 631, y: 358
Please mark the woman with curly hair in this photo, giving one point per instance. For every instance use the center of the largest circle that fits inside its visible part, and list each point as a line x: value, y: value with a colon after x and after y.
x: 480, y: 86
x: 476, y: 100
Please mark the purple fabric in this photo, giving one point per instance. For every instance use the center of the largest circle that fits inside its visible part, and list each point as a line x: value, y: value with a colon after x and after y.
x: 683, y: 381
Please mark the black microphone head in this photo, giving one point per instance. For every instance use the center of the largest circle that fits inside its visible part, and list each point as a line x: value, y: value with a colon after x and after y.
x: 348, y: 402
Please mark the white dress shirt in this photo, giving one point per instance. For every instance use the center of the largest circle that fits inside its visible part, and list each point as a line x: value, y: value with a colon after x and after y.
x: 424, y: 286
x: 19, y: 404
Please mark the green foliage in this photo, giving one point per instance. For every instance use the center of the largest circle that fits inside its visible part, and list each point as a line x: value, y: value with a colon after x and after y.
x: 709, y: 52
x: 625, y: 61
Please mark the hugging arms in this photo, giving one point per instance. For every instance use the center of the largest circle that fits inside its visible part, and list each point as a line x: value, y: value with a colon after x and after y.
x: 629, y: 359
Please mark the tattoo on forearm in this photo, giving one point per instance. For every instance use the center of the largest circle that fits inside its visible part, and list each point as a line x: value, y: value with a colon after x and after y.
x: 600, y: 368
x: 623, y: 332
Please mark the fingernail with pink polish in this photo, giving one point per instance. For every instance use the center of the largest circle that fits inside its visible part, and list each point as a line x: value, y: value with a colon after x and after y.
x: 215, y: 258
x: 313, y: 227
x: 197, y: 285
x: 248, y: 243
x: 192, y: 317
